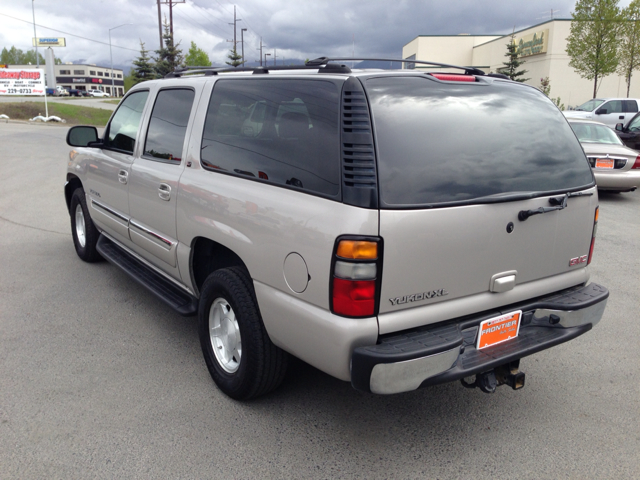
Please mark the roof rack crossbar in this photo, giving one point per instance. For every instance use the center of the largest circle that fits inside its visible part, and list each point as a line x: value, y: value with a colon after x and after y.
x: 324, y: 60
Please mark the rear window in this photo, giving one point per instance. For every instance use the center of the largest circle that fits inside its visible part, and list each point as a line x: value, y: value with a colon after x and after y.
x: 443, y: 143
x: 281, y: 131
x: 592, y: 133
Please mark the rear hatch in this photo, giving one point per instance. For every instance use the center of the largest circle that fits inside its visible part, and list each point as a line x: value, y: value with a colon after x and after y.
x: 457, y: 163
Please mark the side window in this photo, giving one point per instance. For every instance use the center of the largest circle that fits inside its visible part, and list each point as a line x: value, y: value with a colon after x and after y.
x: 614, y: 106
x: 168, y: 124
x: 630, y: 106
x: 634, y: 125
x: 278, y: 130
x: 123, y: 128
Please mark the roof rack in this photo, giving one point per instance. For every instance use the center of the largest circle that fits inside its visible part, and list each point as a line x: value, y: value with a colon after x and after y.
x: 325, y: 60
x: 321, y: 64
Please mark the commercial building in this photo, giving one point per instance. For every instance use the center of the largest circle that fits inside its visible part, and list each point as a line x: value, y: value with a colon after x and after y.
x: 543, y: 49
x: 85, y: 77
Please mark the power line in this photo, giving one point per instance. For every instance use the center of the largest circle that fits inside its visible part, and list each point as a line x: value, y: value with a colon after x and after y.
x: 67, y: 33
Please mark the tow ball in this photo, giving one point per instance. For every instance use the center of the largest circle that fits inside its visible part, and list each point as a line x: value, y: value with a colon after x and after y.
x: 508, y: 374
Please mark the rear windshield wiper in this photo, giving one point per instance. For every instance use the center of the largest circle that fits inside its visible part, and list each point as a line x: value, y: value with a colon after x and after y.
x: 558, y: 203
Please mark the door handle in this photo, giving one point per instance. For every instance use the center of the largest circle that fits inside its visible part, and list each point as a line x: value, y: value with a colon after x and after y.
x: 123, y: 175
x: 164, y: 192
x: 621, y: 117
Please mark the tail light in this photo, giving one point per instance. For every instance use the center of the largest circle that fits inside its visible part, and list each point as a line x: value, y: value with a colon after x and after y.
x: 356, y: 274
x: 593, y: 232
x: 637, y: 163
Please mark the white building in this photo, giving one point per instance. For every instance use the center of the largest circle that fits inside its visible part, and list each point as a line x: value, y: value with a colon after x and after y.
x: 542, y: 47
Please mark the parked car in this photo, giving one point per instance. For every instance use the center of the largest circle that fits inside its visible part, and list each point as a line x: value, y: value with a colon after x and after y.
x: 393, y: 257
x: 63, y: 92
x: 74, y: 92
x: 609, y: 111
x: 85, y: 93
x: 615, y: 166
x: 98, y: 93
x: 630, y: 133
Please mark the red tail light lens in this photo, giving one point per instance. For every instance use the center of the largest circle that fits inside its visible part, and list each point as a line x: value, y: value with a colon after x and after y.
x: 637, y: 163
x: 593, y: 233
x: 354, y: 298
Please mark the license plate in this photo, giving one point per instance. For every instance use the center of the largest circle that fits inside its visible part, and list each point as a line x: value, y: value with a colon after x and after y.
x: 499, y: 329
x: 604, y: 163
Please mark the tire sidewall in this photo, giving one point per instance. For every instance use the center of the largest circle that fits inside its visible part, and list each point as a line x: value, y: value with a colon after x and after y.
x: 87, y: 253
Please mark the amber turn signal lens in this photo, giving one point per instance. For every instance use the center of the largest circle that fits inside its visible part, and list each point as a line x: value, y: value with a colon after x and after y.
x: 358, y: 250
x: 597, y: 214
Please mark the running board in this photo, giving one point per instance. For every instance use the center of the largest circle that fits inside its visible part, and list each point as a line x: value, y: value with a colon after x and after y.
x: 165, y: 290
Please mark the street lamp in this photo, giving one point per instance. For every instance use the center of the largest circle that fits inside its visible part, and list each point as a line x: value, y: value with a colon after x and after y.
x: 265, y: 58
x: 111, y: 55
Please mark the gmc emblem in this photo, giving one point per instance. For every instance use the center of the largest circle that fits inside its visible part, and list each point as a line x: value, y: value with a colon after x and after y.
x: 578, y: 260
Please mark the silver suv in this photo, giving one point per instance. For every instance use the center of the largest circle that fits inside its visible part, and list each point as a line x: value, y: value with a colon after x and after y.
x: 395, y: 229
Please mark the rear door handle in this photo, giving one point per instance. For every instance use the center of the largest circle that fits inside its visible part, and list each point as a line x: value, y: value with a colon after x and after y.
x: 164, y: 192
x: 123, y: 175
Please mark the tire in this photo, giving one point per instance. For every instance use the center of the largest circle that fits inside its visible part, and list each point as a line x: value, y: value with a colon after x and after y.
x: 84, y: 232
x: 240, y: 357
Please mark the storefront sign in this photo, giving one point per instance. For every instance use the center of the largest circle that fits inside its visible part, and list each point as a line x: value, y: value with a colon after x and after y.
x: 532, y: 44
x: 15, y: 81
x: 49, y: 42
x: 79, y: 80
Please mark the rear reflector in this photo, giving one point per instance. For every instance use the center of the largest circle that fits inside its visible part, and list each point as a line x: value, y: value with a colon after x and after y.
x: 637, y: 163
x: 354, y: 298
x: 450, y: 77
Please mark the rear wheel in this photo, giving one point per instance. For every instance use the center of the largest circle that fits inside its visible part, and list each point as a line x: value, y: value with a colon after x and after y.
x: 84, y: 232
x: 239, y: 354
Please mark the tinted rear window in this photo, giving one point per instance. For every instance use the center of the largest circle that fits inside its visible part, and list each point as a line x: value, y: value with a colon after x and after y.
x: 439, y: 143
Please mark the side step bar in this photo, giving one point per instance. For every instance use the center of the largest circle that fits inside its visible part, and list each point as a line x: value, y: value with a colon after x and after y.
x: 178, y: 299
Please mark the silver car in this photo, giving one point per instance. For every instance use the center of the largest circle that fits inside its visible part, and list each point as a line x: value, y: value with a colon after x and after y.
x: 338, y: 216
x: 616, y: 167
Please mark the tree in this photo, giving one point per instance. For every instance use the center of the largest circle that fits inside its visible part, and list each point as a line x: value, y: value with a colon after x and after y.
x: 236, y: 59
x: 170, y: 56
x: 629, y: 44
x: 545, y: 87
x: 15, y: 56
x: 592, y: 43
x: 510, y: 68
x: 143, y: 68
x: 197, y: 57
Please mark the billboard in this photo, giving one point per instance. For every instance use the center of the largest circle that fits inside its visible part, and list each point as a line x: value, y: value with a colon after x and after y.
x: 49, y: 42
x: 16, y: 81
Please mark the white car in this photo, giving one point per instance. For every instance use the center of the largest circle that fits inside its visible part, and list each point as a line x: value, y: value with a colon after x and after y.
x: 98, y: 93
x: 606, y: 110
x: 615, y: 166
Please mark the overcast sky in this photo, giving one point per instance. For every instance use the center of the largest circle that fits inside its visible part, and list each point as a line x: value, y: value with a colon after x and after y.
x: 296, y: 29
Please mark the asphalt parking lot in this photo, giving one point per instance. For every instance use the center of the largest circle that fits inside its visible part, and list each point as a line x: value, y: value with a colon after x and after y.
x: 100, y: 380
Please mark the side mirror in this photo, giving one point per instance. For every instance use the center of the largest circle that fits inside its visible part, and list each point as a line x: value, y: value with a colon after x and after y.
x: 619, y: 127
x: 601, y: 111
x: 82, y: 136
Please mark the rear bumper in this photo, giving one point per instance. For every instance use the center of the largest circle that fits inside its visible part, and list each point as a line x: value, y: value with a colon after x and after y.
x: 438, y: 354
x: 616, y: 180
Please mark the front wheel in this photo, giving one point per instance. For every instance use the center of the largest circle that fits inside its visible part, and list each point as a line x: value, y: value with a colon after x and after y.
x: 84, y: 232
x: 239, y: 354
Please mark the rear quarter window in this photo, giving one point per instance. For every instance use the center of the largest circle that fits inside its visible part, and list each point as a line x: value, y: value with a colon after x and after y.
x: 442, y: 143
x: 282, y: 131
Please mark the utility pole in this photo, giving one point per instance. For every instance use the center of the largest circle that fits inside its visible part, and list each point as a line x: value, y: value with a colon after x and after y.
x: 260, y: 51
x: 265, y: 58
x: 242, y: 30
x: 160, y: 23
x: 274, y: 57
x: 235, y: 20
x: 171, y: 3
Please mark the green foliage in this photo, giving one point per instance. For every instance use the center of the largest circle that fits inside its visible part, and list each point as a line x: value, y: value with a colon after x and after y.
x: 510, y: 68
x: 629, y: 44
x: 196, y: 57
x: 143, y: 68
x: 169, y: 57
x: 592, y: 43
x: 235, y: 57
x: 545, y: 87
x: 72, y: 114
x: 15, y: 56
x: 129, y: 80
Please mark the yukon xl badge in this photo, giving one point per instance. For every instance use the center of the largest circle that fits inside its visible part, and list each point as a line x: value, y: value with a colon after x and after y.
x: 416, y: 297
